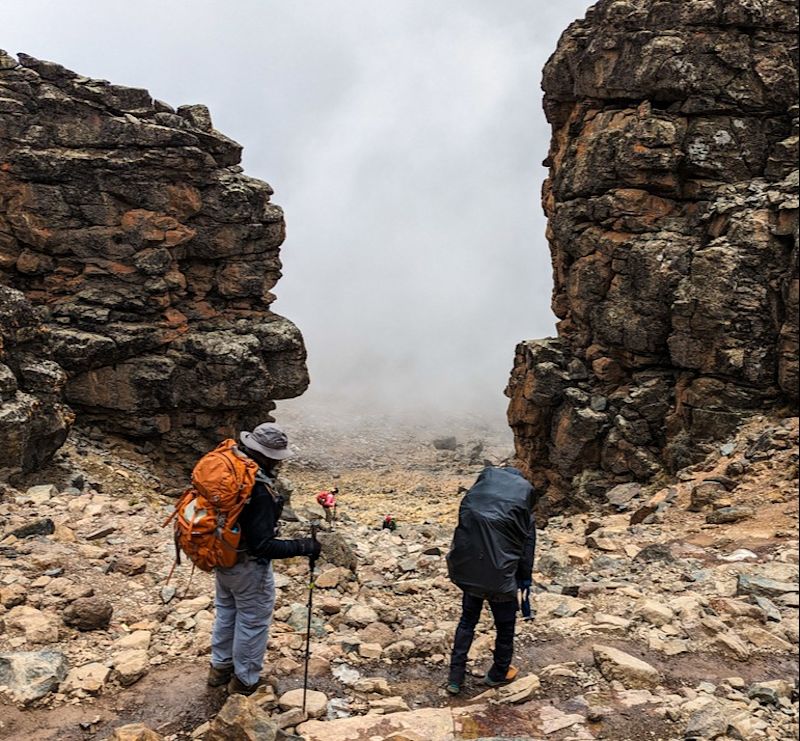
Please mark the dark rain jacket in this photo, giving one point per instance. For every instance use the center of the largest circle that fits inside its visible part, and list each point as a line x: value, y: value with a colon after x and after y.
x: 259, y: 523
x: 494, y: 542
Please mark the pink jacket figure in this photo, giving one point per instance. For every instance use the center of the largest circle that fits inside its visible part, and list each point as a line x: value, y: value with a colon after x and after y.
x: 327, y: 500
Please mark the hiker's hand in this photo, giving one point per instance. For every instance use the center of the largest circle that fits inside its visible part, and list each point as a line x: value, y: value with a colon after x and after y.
x: 524, y: 584
x: 312, y: 548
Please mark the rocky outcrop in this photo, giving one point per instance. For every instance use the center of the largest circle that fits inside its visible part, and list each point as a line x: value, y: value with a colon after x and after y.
x: 672, y: 203
x: 153, y: 256
x: 34, y: 422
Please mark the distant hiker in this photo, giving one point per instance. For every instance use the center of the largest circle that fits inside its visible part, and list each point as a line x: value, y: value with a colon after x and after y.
x: 491, y: 558
x: 327, y: 500
x: 389, y: 523
x: 245, y: 591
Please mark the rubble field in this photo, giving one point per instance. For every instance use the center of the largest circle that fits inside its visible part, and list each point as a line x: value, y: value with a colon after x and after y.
x: 669, y: 611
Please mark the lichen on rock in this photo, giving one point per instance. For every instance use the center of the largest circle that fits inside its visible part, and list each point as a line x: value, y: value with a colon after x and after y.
x: 672, y: 205
x: 153, y: 256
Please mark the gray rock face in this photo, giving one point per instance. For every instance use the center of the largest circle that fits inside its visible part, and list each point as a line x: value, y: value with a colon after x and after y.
x: 153, y: 255
x: 34, y: 421
x: 672, y: 204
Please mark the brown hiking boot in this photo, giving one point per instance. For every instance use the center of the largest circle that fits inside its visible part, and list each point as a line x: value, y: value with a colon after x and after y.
x: 511, y: 675
x: 217, y: 676
x: 237, y: 687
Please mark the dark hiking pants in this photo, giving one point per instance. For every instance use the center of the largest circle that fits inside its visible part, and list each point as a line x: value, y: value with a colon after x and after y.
x: 505, y: 616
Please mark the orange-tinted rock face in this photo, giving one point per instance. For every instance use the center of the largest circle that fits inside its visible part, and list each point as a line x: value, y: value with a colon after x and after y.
x: 672, y: 204
x: 153, y: 257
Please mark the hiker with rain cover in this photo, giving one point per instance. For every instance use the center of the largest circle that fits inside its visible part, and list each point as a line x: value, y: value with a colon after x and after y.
x: 490, y: 560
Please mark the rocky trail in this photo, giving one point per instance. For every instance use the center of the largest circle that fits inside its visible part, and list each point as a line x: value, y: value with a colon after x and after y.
x: 669, y: 611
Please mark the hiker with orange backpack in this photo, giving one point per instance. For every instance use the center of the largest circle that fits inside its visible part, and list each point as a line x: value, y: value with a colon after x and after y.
x: 490, y: 560
x: 245, y: 590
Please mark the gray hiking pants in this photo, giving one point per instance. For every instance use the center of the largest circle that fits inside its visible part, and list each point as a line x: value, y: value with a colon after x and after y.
x: 245, y: 598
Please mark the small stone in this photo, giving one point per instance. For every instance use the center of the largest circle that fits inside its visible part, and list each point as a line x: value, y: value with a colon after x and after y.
x: 370, y: 651
x: 729, y: 515
x: 400, y: 650
x: 656, y: 613
x: 770, y: 693
x: 759, y: 585
x: 89, y: 613
x: 139, y: 639
x: 101, y: 533
x: 445, y: 443
x: 705, y: 494
x: 732, y: 644
x: 87, y: 678
x: 618, y: 665
x: 41, y: 494
x: 45, y: 526
x: 130, y: 666
x: 167, y: 594
x: 328, y: 579
x: 241, y: 719
x: 135, y: 732
x: 520, y: 690
x: 769, y: 607
x: 707, y: 722
x: 316, y: 702
x: 130, y: 565
x: 330, y: 605
x: 360, y: 616
x: 38, y: 627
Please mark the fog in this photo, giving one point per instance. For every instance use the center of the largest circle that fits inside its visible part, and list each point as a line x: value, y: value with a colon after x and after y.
x: 403, y: 138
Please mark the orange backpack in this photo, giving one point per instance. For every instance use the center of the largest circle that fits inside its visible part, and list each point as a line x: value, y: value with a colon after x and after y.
x: 205, y: 516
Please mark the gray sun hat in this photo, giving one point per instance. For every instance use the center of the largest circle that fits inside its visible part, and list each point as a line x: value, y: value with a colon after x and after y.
x: 269, y: 440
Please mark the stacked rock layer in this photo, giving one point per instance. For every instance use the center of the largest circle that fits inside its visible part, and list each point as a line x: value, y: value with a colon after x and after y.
x: 34, y: 421
x: 672, y: 205
x: 153, y: 256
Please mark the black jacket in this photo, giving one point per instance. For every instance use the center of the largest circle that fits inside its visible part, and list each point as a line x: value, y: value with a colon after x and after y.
x: 525, y: 565
x: 259, y: 523
x: 494, y: 542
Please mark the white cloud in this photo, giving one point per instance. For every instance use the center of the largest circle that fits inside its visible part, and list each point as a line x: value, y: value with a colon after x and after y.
x: 404, y: 139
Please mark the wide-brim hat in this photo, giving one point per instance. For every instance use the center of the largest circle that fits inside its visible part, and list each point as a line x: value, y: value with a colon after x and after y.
x: 269, y: 440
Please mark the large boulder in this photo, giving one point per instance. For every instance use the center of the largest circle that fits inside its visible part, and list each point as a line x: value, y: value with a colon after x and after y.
x: 672, y: 203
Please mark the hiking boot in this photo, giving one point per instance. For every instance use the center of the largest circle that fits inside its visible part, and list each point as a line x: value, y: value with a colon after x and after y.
x: 217, y: 676
x: 237, y: 687
x: 510, y: 676
x: 453, y: 688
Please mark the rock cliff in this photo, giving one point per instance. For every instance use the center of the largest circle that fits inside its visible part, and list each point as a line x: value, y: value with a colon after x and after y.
x: 33, y: 420
x: 672, y: 205
x: 151, y: 255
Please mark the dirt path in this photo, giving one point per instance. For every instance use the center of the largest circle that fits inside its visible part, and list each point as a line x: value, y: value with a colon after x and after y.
x: 170, y: 699
x: 175, y: 699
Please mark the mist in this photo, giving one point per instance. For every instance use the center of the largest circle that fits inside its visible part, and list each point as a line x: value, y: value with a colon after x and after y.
x: 404, y: 140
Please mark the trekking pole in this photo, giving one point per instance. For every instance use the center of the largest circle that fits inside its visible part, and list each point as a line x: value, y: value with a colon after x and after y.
x: 312, y: 563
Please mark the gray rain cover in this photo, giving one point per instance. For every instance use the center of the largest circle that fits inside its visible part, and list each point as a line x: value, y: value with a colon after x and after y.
x: 493, y: 525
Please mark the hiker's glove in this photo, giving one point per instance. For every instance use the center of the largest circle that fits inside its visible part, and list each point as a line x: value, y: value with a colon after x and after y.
x: 524, y: 584
x: 312, y: 548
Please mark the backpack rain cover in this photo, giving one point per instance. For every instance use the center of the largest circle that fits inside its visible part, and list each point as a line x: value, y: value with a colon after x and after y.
x: 494, y: 521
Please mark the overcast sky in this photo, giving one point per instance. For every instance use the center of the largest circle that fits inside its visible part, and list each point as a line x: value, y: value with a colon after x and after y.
x: 403, y: 138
